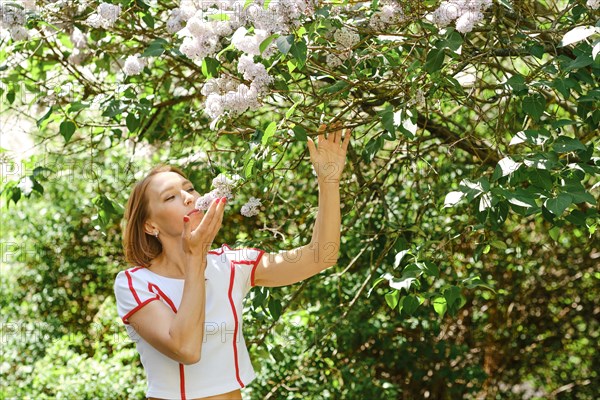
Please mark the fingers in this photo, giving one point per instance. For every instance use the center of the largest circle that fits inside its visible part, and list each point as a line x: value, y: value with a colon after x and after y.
x: 211, y: 223
x: 321, y: 133
x: 337, y: 135
x: 346, y: 139
x: 210, y: 214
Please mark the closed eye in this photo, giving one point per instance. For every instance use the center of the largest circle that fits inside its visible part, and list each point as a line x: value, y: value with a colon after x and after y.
x: 172, y: 197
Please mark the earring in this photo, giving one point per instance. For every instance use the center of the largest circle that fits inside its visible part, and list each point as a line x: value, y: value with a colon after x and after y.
x: 156, y: 234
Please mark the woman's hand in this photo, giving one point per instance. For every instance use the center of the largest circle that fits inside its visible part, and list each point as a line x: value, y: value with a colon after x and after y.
x: 198, y: 242
x: 330, y: 157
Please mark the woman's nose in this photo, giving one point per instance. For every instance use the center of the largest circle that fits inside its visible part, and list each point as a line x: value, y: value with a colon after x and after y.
x: 187, y: 197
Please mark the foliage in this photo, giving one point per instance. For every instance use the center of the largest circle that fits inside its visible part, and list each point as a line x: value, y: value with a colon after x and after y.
x: 469, y: 252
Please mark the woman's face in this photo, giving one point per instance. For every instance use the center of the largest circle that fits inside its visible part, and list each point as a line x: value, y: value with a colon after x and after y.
x: 170, y: 198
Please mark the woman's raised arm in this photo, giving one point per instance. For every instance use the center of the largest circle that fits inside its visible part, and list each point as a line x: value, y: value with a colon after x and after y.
x: 291, y: 266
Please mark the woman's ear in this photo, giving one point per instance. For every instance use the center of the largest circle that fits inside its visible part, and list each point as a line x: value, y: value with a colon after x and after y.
x: 149, y: 228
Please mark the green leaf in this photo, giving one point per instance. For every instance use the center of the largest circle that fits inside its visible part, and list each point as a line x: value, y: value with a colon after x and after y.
x: 387, y: 120
x: 10, y: 96
x: 284, y: 43
x: 429, y: 268
x: 45, y: 117
x: 475, y: 281
x: 453, y: 40
x: 300, y: 133
x: 67, y: 129
x: 499, y: 244
x: 248, y: 167
x: 435, y: 60
x: 451, y: 294
x: 517, y: 83
x: 275, y: 308
x: 222, y: 16
x: 439, y: 305
x: 155, y: 48
x: 76, y: 106
x: 534, y: 105
x: 576, y: 217
x: 269, y: 132
x: 558, y: 204
x: 554, y: 233
x: 149, y: 20
x: 265, y: 43
x: 408, y: 304
x: 392, y: 298
x: 299, y: 51
x: 372, y: 147
x: 540, y: 178
x: 564, y: 144
x: 537, y: 50
x: 210, y: 67
x: 335, y: 88
x: 132, y: 122
x: 580, y: 62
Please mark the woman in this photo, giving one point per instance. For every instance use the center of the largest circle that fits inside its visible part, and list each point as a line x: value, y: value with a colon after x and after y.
x: 190, y: 341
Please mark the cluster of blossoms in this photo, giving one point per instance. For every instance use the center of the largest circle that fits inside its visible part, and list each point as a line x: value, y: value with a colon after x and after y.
x: 224, y: 94
x: 250, y: 209
x: 345, y: 39
x: 467, y: 13
x: 593, y: 4
x: 250, y: 44
x: 105, y: 16
x: 13, y: 18
x: 199, y: 22
x: 79, y: 41
x: 223, y: 187
x: 388, y: 14
x: 134, y: 65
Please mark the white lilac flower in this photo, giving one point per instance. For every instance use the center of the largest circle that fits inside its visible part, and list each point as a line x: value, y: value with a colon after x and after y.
x: 593, y: 4
x: 25, y: 185
x: 205, y: 200
x: 109, y: 12
x: 28, y: 4
x: 336, y: 59
x: 388, y: 14
x: 221, y: 181
x: 175, y: 23
x: 466, y: 22
x: 466, y: 13
x: 250, y: 44
x: 255, y: 72
x: 105, y: 16
x: 214, y: 106
x: 251, y: 207
x: 447, y: 12
x: 346, y: 38
x: 134, y: 65
x: 18, y: 33
x: 78, y: 39
x: 11, y: 16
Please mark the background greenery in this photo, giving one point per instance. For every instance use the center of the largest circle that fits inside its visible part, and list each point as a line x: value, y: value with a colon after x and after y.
x: 469, y: 262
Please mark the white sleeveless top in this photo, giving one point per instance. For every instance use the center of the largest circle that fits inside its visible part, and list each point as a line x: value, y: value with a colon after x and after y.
x: 224, y: 363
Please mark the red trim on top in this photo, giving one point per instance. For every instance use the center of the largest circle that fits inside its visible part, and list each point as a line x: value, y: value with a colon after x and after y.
x: 125, y: 318
x: 235, y: 355
x: 152, y: 286
x: 131, y: 289
x: 182, y: 381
